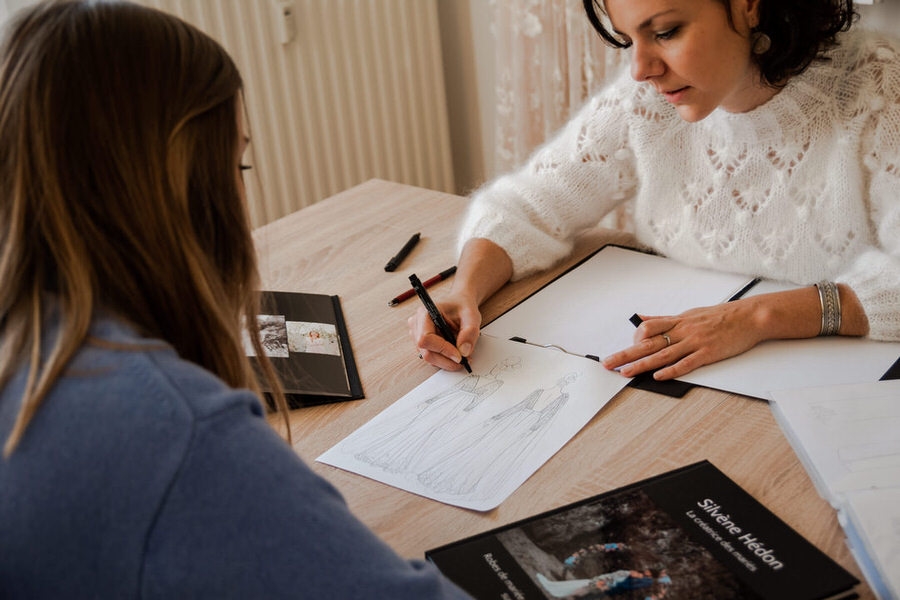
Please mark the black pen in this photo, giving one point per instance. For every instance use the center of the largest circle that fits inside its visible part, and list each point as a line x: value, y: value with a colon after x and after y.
x: 637, y: 320
x: 404, y: 251
x: 436, y: 316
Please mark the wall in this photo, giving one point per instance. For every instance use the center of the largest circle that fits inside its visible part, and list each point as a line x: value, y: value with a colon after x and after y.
x: 459, y: 22
x: 884, y: 16
x: 356, y: 92
x: 483, y: 42
x: 466, y: 44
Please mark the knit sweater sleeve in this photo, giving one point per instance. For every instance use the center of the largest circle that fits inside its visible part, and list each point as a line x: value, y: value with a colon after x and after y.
x: 874, y: 275
x: 566, y: 186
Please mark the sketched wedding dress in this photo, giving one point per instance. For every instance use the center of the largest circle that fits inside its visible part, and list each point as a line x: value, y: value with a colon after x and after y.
x: 494, y: 449
x: 407, y: 440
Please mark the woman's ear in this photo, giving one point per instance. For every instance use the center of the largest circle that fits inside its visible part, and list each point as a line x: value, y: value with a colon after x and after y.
x: 745, y: 14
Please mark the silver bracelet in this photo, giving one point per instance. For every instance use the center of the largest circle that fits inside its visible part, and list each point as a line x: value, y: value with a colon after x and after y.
x: 830, y: 300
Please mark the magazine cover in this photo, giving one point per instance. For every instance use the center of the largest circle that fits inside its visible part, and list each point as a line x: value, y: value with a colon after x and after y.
x: 690, y: 533
x: 306, y: 340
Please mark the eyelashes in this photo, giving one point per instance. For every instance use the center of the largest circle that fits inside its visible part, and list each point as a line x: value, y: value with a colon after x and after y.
x: 668, y: 34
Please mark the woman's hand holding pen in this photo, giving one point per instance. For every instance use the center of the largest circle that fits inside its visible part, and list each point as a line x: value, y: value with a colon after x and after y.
x: 482, y: 269
x: 463, y: 316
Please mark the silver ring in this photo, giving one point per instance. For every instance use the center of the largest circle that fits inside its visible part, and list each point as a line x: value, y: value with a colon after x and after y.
x: 666, y: 337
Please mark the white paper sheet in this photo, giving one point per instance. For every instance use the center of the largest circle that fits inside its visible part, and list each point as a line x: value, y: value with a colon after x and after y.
x: 471, y: 439
x: 783, y: 364
x: 848, y: 439
x: 847, y: 436
x: 872, y: 522
x: 586, y: 311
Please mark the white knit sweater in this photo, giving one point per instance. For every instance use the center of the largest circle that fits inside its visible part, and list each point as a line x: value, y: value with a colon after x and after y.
x: 803, y: 188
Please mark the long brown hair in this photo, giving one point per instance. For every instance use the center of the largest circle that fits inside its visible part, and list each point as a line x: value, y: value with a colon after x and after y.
x: 119, y: 191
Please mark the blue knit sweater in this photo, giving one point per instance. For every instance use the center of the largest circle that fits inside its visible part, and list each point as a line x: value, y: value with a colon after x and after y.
x: 145, y: 476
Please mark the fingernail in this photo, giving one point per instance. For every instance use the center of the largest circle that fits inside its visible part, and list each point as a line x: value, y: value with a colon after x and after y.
x: 465, y: 349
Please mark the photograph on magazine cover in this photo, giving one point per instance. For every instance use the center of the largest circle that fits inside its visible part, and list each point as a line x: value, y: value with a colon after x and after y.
x: 621, y: 547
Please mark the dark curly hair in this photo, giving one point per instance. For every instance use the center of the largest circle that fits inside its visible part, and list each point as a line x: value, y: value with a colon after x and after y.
x: 800, y: 30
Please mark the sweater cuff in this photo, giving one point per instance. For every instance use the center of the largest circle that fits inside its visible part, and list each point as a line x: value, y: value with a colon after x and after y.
x: 875, y: 279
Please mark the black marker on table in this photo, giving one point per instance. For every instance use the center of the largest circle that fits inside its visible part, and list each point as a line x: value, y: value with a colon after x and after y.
x: 404, y: 252
x: 637, y: 320
x: 436, y: 316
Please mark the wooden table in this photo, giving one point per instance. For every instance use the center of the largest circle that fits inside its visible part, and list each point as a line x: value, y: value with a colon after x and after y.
x: 340, y: 245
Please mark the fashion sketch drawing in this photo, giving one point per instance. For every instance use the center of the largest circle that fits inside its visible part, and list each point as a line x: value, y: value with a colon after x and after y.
x: 472, y: 439
x: 506, y: 437
x: 411, y: 438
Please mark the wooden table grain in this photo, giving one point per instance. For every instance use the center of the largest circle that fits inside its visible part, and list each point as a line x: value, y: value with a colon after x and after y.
x: 340, y: 245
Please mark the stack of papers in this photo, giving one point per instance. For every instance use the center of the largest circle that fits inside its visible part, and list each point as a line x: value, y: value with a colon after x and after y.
x: 848, y: 438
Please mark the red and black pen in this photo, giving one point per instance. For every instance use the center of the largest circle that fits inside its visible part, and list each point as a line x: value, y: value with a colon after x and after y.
x: 428, y: 282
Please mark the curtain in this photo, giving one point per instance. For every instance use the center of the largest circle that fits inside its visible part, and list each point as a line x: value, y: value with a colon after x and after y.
x: 549, y: 61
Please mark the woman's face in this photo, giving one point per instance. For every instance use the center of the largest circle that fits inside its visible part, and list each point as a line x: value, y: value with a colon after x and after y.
x: 692, y: 53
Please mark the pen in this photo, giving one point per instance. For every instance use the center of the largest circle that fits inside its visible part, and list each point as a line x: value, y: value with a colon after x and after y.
x: 404, y: 251
x: 426, y: 284
x: 436, y: 316
x: 636, y: 320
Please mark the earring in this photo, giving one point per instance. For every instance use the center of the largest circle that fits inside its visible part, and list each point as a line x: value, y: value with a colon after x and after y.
x: 760, y: 42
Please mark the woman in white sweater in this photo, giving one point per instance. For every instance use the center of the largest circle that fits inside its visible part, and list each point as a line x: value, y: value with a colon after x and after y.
x: 754, y: 136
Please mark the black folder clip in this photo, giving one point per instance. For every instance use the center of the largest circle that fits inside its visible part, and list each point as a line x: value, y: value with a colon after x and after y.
x: 522, y: 340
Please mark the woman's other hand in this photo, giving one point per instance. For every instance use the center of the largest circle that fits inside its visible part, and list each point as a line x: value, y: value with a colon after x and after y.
x: 673, y: 346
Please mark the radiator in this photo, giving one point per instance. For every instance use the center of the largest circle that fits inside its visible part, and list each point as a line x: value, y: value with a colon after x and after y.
x: 357, y: 93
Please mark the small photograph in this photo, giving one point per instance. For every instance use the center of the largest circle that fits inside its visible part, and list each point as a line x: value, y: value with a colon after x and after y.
x: 272, y: 334
x: 623, y: 547
x: 313, y: 338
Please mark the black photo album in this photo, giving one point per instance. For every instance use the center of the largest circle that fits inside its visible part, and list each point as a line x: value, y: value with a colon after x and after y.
x: 306, y: 340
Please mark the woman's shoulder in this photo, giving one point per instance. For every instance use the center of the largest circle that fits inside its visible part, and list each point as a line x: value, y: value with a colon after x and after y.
x: 851, y: 80
x: 124, y: 388
x: 865, y: 59
x: 151, y: 376
x: 863, y: 46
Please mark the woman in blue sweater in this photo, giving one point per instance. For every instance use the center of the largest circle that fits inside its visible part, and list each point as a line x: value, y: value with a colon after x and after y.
x: 137, y: 461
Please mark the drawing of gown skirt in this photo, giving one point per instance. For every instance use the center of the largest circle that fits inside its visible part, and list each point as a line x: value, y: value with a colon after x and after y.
x: 615, y: 581
x: 564, y: 588
x: 484, y: 459
x: 405, y: 441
